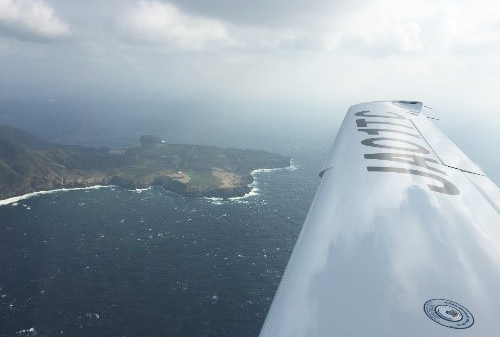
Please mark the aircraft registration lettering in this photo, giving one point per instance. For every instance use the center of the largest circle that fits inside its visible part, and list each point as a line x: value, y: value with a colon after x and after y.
x: 375, y: 132
x: 407, y: 159
x: 420, y: 161
x: 374, y: 142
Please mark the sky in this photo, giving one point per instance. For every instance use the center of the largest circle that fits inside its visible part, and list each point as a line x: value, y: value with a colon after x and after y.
x: 291, y: 60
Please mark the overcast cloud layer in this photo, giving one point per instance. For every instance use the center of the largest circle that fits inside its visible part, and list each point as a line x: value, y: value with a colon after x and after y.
x: 311, y: 51
x: 306, y: 55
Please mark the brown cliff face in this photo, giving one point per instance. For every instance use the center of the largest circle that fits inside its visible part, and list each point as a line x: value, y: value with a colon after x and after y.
x: 29, y: 164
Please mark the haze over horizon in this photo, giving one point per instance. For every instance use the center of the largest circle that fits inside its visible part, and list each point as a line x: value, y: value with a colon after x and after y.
x: 277, y: 66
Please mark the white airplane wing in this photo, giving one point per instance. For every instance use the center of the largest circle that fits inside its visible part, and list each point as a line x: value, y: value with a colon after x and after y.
x: 402, y: 238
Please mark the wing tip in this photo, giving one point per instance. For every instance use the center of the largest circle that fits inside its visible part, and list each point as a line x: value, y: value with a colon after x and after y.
x: 410, y: 105
x: 413, y: 106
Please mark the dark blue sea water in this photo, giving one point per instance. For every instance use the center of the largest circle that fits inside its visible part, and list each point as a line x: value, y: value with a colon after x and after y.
x: 113, y: 262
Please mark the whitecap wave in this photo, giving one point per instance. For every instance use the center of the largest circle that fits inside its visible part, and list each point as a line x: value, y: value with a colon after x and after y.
x: 27, y: 332
x: 215, y: 200
x: 254, y: 185
x: 293, y: 166
x: 254, y: 190
x: 15, y: 200
x: 140, y: 190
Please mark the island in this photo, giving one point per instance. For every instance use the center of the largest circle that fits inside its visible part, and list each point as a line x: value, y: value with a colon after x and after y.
x: 29, y: 164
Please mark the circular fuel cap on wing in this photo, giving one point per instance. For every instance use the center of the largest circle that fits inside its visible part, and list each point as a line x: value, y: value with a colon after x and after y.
x: 449, y: 314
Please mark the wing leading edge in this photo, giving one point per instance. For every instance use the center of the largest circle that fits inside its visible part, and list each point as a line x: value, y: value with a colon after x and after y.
x: 402, y: 238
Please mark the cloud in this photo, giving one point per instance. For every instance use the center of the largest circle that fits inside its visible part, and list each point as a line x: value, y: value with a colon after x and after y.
x: 312, y: 54
x: 377, y: 29
x: 160, y: 23
x: 273, y: 14
x: 389, y: 27
x: 30, y: 20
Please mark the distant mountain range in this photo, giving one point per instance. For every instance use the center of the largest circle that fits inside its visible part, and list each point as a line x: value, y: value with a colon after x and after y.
x: 29, y: 164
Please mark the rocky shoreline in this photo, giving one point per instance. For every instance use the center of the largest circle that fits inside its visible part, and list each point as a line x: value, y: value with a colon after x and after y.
x: 28, y: 164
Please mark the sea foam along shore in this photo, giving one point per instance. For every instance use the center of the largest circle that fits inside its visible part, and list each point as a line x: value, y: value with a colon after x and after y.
x: 254, y: 190
x: 14, y: 200
x: 254, y: 185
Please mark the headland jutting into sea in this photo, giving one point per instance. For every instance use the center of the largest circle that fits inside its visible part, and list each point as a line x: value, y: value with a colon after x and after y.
x: 29, y: 164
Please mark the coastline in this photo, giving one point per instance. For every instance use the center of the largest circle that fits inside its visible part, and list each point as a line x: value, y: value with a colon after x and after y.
x: 253, y: 185
x: 13, y: 200
x: 253, y: 189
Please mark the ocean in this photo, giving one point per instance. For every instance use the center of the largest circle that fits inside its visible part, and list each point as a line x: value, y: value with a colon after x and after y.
x: 115, y: 262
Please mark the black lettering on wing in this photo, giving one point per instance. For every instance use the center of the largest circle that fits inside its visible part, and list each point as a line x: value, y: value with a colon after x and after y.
x: 362, y: 123
x: 375, y: 132
x: 406, y: 158
x: 393, y: 115
x: 373, y: 142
